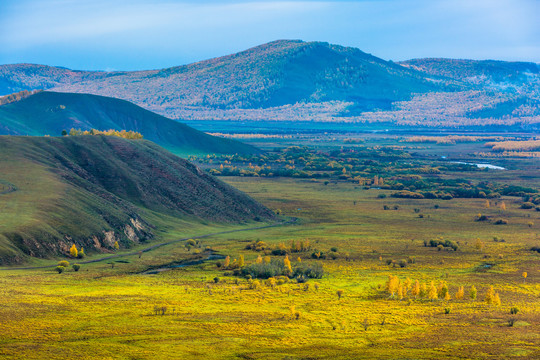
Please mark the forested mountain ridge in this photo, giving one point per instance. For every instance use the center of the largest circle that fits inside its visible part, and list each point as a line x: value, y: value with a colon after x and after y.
x: 296, y: 80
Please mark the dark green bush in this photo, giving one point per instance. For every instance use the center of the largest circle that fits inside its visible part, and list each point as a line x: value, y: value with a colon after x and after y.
x: 311, y: 271
x: 265, y: 270
x: 527, y: 205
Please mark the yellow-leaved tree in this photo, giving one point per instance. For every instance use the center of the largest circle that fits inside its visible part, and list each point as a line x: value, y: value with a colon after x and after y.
x: 73, y: 251
x: 432, y: 294
x: 416, y: 289
x: 460, y: 293
x: 490, y: 295
x: 392, y: 285
x: 288, y: 266
x: 473, y: 292
x: 423, y: 290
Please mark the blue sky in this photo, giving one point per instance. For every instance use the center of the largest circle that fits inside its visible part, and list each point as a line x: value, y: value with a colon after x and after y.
x: 136, y: 34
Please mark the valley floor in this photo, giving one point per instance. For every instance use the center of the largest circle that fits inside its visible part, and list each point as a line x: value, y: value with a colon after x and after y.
x: 112, y: 311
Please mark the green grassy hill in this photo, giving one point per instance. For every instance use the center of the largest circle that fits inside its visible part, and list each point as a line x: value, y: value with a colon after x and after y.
x: 48, y: 113
x: 95, y: 190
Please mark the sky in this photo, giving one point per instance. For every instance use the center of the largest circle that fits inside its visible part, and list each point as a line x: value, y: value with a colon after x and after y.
x: 139, y: 35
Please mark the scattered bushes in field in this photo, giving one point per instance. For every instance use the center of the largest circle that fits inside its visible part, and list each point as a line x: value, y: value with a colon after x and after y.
x: 310, y: 271
x: 481, y: 217
x: 60, y: 269
x: 160, y: 310
x: 133, y: 135
x: 527, y: 205
x: 514, y: 310
x: 536, y: 248
x: 257, y: 246
x: 441, y: 244
x: 407, y: 195
x: 408, y: 289
x: 76, y: 267
x: 63, y: 263
x: 501, y: 222
x: 283, y: 269
x: 293, y: 247
x: 81, y: 253
x: 318, y: 255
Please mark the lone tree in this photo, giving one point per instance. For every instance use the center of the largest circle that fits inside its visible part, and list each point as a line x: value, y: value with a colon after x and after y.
x: 432, y: 295
x: 393, y: 285
x: 73, y: 251
x: 490, y: 296
x: 287, y: 264
x: 460, y: 293
x: 524, y: 275
x: 227, y: 262
x: 116, y: 245
x: 339, y: 294
x: 416, y: 289
x: 81, y: 253
x: 473, y: 292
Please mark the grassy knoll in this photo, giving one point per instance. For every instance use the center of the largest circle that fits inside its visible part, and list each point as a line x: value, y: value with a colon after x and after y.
x: 115, y: 312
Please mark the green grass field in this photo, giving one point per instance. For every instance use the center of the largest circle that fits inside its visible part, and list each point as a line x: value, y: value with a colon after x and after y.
x: 106, y: 312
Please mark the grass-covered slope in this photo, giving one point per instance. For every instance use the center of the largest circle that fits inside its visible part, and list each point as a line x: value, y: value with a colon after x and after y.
x: 95, y: 190
x: 48, y: 113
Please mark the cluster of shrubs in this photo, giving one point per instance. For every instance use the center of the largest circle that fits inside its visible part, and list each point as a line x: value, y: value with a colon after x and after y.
x: 276, y: 268
x: 133, y: 135
x: 441, y: 244
x: 63, y: 265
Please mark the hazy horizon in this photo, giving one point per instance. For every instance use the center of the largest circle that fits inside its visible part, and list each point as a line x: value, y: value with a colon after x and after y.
x: 137, y: 35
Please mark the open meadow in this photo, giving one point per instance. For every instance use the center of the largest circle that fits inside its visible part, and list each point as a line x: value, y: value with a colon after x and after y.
x: 213, y: 310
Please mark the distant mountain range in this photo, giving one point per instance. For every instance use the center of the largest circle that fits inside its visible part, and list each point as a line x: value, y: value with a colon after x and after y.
x: 48, y: 113
x: 295, y: 80
x: 95, y: 190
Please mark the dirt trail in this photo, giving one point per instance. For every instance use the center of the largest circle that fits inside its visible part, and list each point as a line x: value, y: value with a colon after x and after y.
x: 155, y: 246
